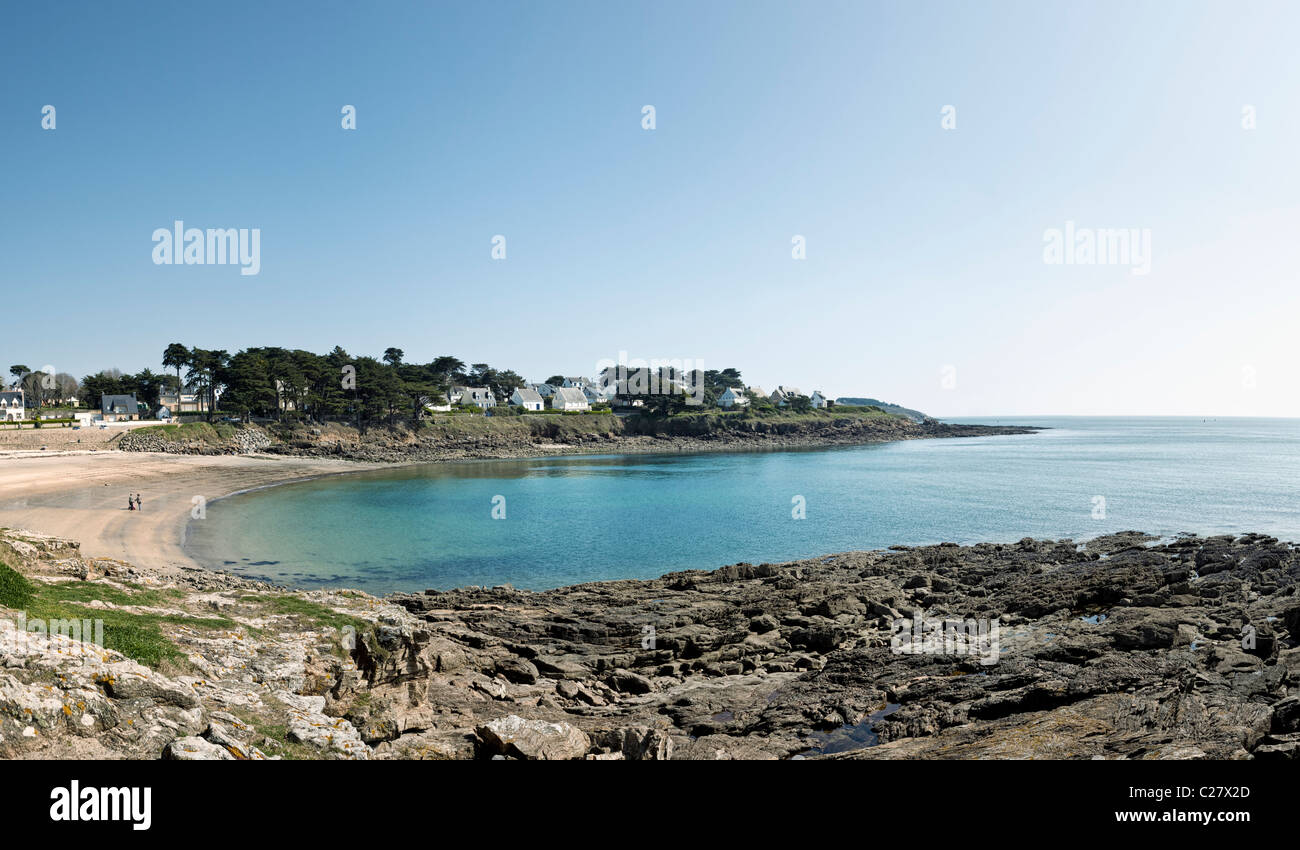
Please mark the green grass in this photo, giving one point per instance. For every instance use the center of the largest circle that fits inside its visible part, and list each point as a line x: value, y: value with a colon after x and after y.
x: 15, y: 590
x: 313, y: 612
x: 275, y: 742
x: 273, y: 738
x: 86, y: 591
x: 137, y: 636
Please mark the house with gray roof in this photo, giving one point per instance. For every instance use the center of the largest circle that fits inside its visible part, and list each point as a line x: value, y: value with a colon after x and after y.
x: 732, y: 397
x: 782, y: 393
x: 527, y: 398
x: 569, y: 398
x: 119, y: 408
x: 12, y: 406
x: 480, y: 397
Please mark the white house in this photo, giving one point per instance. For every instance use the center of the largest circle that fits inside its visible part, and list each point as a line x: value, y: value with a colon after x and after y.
x: 527, y: 398
x: 12, y: 406
x: 480, y: 397
x: 732, y: 398
x: 821, y: 401
x: 544, y: 390
x: 576, y: 383
x: 569, y: 398
x: 436, y: 405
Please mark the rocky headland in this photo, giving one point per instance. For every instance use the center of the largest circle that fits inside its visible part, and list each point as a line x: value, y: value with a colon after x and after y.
x: 478, y: 437
x: 1121, y: 647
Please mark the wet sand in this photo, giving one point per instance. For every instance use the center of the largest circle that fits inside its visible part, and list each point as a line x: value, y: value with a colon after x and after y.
x: 83, y: 496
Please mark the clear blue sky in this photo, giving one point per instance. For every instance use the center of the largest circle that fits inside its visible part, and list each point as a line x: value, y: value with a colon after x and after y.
x: 773, y: 119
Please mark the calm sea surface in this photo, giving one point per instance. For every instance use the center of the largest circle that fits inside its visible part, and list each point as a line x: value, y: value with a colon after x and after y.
x: 576, y: 519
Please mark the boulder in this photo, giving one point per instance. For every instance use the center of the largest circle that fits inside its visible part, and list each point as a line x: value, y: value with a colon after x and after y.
x: 532, y: 740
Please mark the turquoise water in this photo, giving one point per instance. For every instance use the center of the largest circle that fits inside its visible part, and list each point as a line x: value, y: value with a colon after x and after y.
x: 576, y: 519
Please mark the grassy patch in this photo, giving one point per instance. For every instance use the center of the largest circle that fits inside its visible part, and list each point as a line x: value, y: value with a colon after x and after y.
x: 15, y: 590
x: 213, y: 433
x: 273, y: 738
x: 88, y: 591
x: 275, y: 742
x: 137, y: 636
x: 313, y: 612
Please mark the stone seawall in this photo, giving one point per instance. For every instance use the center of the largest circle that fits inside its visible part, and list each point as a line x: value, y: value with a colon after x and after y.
x: 245, y: 440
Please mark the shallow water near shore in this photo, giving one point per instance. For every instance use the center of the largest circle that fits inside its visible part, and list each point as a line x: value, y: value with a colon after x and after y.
x: 600, y: 517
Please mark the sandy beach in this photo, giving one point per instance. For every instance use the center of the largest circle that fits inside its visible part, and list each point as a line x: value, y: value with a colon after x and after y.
x: 83, y: 495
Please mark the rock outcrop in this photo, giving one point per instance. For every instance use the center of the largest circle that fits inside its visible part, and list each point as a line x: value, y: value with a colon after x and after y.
x: 471, y: 436
x: 1121, y: 647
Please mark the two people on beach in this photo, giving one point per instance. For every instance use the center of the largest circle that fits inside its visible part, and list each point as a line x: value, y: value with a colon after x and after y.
x: 133, y: 502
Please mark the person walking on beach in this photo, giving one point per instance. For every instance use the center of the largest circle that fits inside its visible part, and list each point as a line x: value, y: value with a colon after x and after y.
x: 130, y: 502
x: 139, y: 505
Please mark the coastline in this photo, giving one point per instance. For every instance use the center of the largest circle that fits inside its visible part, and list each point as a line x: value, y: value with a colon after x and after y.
x: 1080, y: 650
x: 1120, y: 648
x: 82, y: 494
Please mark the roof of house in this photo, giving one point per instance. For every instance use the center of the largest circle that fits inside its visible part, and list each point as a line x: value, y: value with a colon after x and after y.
x: 8, y: 396
x: 756, y: 391
x: 527, y: 395
x: 570, y: 395
x: 119, y: 404
x: 784, y: 390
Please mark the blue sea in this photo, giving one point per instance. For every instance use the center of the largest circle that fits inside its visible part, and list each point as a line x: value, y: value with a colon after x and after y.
x: 543, y: 523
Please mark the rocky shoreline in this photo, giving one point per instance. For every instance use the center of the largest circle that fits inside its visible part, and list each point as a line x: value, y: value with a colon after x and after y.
x: 540, y: 436
x: 1121, y: 647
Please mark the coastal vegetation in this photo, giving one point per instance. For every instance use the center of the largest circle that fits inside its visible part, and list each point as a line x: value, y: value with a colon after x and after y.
x: 440, y: 436
x: 293, y: 384
x: 136, y: 635
x: 210, y: 433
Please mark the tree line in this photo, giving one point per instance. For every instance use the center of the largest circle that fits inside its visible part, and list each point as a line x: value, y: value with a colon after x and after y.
x: 282, y: 383
x: 289, y: 383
